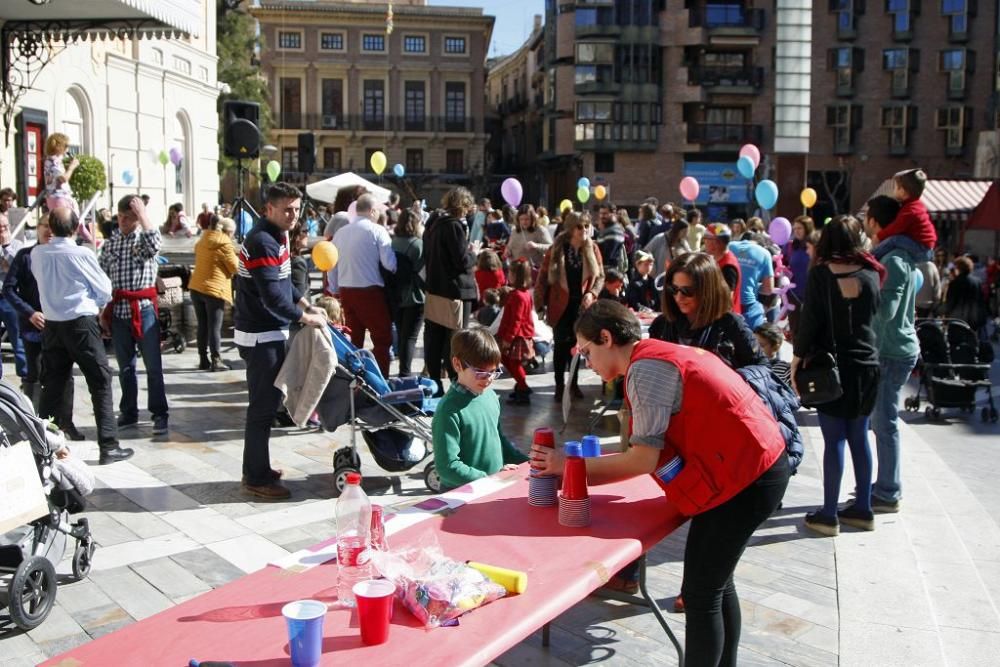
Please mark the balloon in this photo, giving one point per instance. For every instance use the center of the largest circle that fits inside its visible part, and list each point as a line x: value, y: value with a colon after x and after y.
x: 163, y: 158
x: 128, y: 176
x: 273, y: 170
x: 565, y: 205
x: 745, y: 166
x: 690, y: 188
x: 808, y: 197
x: 766, y: 194
x: 583, y: 194
x: 583, y: 183
x: 918, y: 281
x: 352, y: 209
x: 399, y: 170
x: 325, y: 255
x: 600, y: 192
x: 378, y: 162
x: 175, y: 156
x: 780, y: 230
x: 826, y: 221
x: 751, y: 152
x: 512, y: 191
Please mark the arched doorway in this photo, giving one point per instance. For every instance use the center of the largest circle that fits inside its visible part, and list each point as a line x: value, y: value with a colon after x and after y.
x: 182, y: 186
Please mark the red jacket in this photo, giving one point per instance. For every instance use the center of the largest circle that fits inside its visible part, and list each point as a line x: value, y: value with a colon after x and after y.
x: 724, y: 433
x: 914, y: 221
x: 729, y: 259
x: 489, y: 280
x: 517, y: 321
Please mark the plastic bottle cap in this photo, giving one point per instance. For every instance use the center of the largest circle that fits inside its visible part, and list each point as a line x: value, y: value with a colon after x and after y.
x: 573, y: 448
x: 353, y: 478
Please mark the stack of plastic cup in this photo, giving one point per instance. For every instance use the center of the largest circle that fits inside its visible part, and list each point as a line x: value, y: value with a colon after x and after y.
x: 574, y: 501
x: 542, y: 489
x: 590, y: 446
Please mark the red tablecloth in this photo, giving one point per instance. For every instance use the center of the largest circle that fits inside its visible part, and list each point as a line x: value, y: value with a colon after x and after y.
x: 241, y: 621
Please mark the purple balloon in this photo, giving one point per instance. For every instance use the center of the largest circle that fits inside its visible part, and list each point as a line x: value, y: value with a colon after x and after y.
x: 512, y: 191
x: 175, y: 156
x: 780, y: 230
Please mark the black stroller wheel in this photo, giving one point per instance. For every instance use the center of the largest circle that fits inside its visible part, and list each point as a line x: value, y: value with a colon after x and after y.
x: 83, y: 558
x: 32, y: 592
x: 345, y: 457
x: 431, y: 478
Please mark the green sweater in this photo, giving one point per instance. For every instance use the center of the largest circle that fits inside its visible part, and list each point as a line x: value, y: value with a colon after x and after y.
x: 894, y: 325
x: 468, y: 441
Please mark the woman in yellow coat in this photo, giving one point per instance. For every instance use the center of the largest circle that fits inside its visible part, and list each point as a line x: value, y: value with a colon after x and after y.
x: 211, y: 288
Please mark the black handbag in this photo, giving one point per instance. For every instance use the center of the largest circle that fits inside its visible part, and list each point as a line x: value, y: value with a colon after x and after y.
x: 818, y: 378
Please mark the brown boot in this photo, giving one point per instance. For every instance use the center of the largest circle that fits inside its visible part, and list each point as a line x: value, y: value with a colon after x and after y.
x: 268, y: 492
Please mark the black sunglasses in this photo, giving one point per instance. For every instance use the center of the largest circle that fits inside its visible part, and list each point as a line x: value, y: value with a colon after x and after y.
x: 684, y: 290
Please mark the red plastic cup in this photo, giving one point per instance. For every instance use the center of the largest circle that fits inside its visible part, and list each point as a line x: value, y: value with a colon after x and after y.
x: 574, y: 482
x: 374, y: 599
x: 545, y: 436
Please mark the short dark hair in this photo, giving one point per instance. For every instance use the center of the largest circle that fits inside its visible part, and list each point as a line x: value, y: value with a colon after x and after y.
x: 883, y: 210
x: 613, y: 276
x: 609, y: 315
x: 125, y: 202
x: 964, y: 265
x: 693, y: 215
x: 771, y: 333
x: 476, y: 347
x: 280, y: 191
x: 912, y: 180
x: 63, y: 222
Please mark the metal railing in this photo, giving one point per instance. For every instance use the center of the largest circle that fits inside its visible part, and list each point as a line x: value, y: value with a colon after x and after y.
x: 708, y: 75
x: 724, y: 133
x: 385, y: 123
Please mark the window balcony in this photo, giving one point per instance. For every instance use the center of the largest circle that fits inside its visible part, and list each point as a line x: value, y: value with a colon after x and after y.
x: 729, y: 19
x: 717, y: 134
x: 751, y: 78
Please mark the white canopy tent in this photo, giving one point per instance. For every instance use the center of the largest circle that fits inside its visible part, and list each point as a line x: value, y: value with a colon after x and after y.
x: 326, y: 190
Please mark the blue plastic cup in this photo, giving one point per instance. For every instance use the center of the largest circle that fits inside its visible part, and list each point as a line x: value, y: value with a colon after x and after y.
x: 305, y: 631
x: 591, y: 445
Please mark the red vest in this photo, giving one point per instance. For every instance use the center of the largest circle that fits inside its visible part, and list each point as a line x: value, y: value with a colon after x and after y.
x: 724, y: 433
x: 729, y: 259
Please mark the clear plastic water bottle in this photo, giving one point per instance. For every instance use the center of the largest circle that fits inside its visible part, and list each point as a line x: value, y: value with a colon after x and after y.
x: 354, y: 520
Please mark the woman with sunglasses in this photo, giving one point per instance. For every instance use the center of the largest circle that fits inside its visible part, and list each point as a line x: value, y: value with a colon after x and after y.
x: 734, y: 472
x: 698, y: 311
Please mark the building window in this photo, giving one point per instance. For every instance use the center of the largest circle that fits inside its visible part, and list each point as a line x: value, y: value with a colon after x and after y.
x: 454, y: 161
x: 898, y: 120
x: 414, y: 44
x: 372, y: 42
x: 414, y: 106
x: 289, y: 159
x: 957, y: 64
x: 638, y: 63
x: 846, y: 12
x: 374, y: 104
x: 415, y: 160
x: 594, y: 111
x: 957, y: 12
x: 203, y: 73
x: 901, y: 12
x: 594, y: 74
x: 289, y: 40
x: 454, y: 106
x: 595, y: 53
x: 955, y: 121
x: 604, y: 163
x: 454, y: 45
x: 899, y: 62
x: 332, y: 160
x: 183, y: 66
x: 331, y: 41
x: 332, y: 103
x: 291, y: 103
x: 845, y: 121
x: 157, y: 56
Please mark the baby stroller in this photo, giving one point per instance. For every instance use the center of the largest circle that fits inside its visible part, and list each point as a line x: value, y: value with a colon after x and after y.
x: 31, y: 552
x: 954, y: 365
x: 393, y: 416
x: 171, y: 281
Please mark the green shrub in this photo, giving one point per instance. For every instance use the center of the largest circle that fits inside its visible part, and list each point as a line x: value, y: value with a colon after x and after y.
x: 88, y: 179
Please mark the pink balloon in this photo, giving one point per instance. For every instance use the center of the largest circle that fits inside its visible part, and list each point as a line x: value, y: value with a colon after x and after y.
x: 780, y: 230
x: 512, y: 191
x: 352, y: 209
x: 689, y: 188
x: 751, y: 152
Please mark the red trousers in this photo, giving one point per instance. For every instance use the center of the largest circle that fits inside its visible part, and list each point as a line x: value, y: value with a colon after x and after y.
x: 515, y: 367
x: 365, y: 309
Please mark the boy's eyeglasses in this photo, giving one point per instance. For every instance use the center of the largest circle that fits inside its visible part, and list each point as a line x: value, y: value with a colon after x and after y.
x: 683, y: 290
x: 484, y: 376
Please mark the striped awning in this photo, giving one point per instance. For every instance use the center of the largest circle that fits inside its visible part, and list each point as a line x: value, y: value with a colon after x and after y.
x: 946, y: 200
x: 86, y: 18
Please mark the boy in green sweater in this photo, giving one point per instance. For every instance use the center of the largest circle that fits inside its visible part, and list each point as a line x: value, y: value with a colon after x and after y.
x: 468, y: 441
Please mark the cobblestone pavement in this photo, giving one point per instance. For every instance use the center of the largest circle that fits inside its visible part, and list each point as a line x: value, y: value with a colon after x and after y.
x: 171, y: 523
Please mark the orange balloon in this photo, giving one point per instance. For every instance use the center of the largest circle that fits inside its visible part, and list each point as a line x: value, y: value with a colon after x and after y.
x: 325, y: 255
x: 600, y: 192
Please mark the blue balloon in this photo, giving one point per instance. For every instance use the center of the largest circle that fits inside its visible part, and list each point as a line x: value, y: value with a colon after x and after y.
x: 918, y: 280
x: 766, y: 194
x: 399, y: 170
x: 584, y: 182
x: 745, y: 166
x: 128, y: 176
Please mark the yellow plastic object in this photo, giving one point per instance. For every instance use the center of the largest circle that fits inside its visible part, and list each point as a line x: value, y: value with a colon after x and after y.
x: 514, y: 581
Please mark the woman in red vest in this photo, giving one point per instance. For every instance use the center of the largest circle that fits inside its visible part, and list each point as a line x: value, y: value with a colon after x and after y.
x: 685, y: 402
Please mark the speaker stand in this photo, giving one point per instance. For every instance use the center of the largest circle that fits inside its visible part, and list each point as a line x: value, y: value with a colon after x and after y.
x: 241, y: 205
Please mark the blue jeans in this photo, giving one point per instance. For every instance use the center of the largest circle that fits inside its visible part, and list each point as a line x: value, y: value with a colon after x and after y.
x: 894, y: 373
x: 125, y: 352
x: 837, y: 432
x: 9, y: 317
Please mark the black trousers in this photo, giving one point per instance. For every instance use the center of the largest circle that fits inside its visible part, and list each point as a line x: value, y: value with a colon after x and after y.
x: 209, y: 311
x: 77, y: 342
x: 564, y: 339
x: 716, y: 541
x: 408, y: 320
x: 31, y: 386
x: 437, y: 347
x: 263, y: 363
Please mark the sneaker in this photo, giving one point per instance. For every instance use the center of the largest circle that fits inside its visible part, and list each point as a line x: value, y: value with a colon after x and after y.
x: 283, y: 420
x: 272, y: 491
x: 880, y: 506
x: 678, y: 604
x: 823, y: 525
x: 852, y: 516
x: 115, y: 454
x: 127, y: 422
x: 160, y: 425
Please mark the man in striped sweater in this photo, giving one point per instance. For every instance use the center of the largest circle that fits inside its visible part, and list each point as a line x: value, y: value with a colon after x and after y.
x: 266, y: 303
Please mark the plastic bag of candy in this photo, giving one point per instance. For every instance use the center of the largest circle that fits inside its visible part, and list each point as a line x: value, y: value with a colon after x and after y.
x: 435, y: 588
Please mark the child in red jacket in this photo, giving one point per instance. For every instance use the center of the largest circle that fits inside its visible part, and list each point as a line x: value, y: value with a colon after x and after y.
x: 489, y: 272
x: 517, y: 331
x: 912, y: 230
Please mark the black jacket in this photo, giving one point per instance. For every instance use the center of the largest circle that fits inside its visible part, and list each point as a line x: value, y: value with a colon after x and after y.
x: 448, y: 260
x: 782, y: 402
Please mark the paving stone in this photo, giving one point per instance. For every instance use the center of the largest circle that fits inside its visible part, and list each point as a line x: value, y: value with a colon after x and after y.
x: 58, y: 625
x: 249, y: 553
x: 170, y: 578
x: 81, y: 596
x: 133, y: 593
x: 208, y: 566
x: 865, y: 643
x: 54, y: 647
x: 137, y: 551
x: 96, y: 620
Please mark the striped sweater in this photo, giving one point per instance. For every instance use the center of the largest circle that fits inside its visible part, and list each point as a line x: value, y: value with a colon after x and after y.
x: 266, y: 300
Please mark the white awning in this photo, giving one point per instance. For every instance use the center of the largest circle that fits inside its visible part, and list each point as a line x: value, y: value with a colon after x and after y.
x: 326, y: 190
x: 183, y: 16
